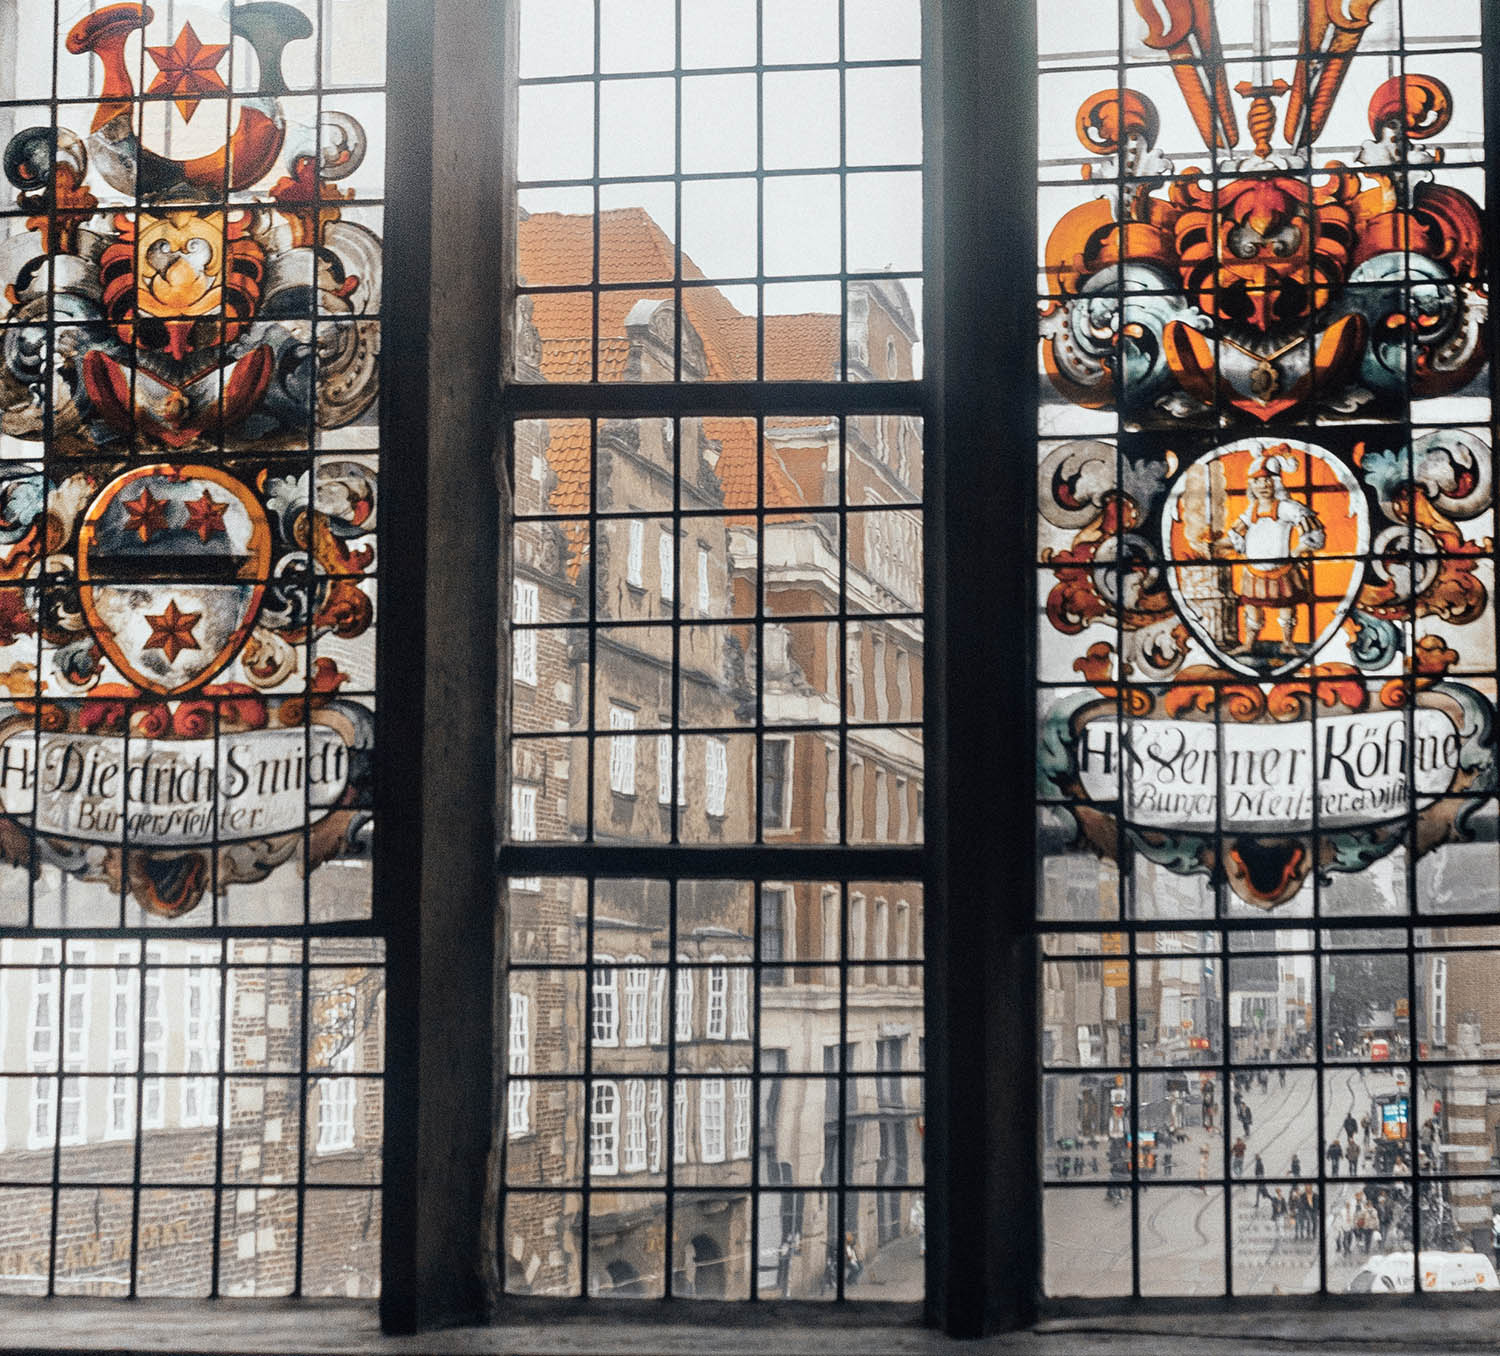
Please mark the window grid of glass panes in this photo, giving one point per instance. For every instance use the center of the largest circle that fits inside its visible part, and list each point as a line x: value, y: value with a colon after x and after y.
x: 716, y: 639
x: 752, y: 1074
x: 191, y: 982
x: 1259, y: 1074
x: 753, y: 167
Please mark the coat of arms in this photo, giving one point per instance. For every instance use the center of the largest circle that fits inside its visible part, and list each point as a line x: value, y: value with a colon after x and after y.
x: 1266, y: 540
x: 185, y: 600
x: 1271, y: 583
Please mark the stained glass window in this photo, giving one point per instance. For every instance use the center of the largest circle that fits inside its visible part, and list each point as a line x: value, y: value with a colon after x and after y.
x: 1266, y: 648
x: 191, y: 979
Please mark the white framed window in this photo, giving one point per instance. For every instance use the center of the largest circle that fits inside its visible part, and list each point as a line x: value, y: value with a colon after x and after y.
x: 891, y: 369
x: 777, y: 943
x: 739, y: 1131
x: 523, y: 829
x: 77, y: 983
x: 656, y: 1028
x: 637, y: 995
x: 683, y: 1022
x: 903, y: 686
x: 1438, y: 1026
x: 711, y: 1119
x: 635, y: 1125
x: 854, y: 662
x: 666, y: 566
x: 832, y: 924
x: 655, y: 1124
x: 739, y: 1005
x: 201, y: 1041
x: 831, y: 797
x: 154, y: 1049
x: 882, y: 694
x: 604, y: 1129
x: 41, y: 1052
x: 882, y: 805
x: 622, y: 751
x: 635, y: 554
x: 705, y: 594
x: 664, y: 770
x: 679, y: 1122
x: 518, y: 1065
x: 606, y: 1005
x: 124, y: 985
x: 336, y: 1102
x: 858, y: 950
x: 715, y: 775
x: 715, y: 1024
x: 856, y: 798
x: 903, y: 810
x: 776, y: 782
x: 525, y: 602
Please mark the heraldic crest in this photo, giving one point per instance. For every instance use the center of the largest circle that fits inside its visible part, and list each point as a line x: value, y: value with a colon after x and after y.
x: 1272, y: 584
x: 188, y: 382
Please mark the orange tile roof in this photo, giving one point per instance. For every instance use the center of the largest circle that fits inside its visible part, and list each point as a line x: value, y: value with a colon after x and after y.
x: 737, y: 469
x: 802, y: 347
x: 557, y: 248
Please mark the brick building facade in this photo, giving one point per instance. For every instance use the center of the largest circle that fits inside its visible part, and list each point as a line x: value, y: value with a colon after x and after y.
x: 703, y: 570
x: 89, y: 1067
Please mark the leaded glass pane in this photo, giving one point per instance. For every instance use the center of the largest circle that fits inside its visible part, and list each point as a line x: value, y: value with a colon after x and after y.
x: 1266, y: 646
x: 189, y: 469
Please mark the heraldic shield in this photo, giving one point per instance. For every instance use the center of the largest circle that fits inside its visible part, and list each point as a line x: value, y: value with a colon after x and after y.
x: 172, y: 564
x: 1266, y: 539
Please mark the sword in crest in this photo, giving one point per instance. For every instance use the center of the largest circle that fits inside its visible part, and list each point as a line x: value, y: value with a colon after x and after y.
x: 1188, y: 32
x: 1329, y: 40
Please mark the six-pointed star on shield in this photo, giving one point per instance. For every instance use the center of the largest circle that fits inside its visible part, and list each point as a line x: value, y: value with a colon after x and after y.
x: 172, y: 563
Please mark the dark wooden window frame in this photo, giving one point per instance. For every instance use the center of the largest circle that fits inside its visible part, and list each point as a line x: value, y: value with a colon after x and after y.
x: 451, y: 123
x: 448, y: 234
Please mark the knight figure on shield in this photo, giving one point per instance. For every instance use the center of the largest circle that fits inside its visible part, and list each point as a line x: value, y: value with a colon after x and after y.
x: 1273, y: 537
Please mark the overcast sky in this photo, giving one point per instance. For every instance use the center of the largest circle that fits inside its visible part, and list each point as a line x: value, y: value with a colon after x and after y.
x: 800, y: 130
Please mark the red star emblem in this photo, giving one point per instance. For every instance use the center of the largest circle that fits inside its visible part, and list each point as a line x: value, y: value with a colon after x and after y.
x: 172, y: 631
x: 189, y: 69
x: 205, y: 516
x: 148, y: 515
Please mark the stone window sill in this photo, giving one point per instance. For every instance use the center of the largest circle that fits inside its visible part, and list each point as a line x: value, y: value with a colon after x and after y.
x: 313, y: 1328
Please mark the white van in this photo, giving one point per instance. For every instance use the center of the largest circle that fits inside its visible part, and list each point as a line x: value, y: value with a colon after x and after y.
x: 1391, y: 1273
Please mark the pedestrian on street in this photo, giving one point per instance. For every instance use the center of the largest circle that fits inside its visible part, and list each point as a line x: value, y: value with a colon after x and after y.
x: 1259, y: 1169
x: 1384, y: 1209
x: 1364, y: 1125
x: 1247, y: 1118
x: 854, y: 1262
x: 1335, y: 1154
x: 1352, y: 1154
x: 1264, y: 1079
x: 1278, y: 1211
x: 1350, y: 1124
x: 1203, y: 1169
x: 1281, y: 1078
x: 1238, y: 1156
x: 1345, y: 1240
x: 1296, y: 1169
